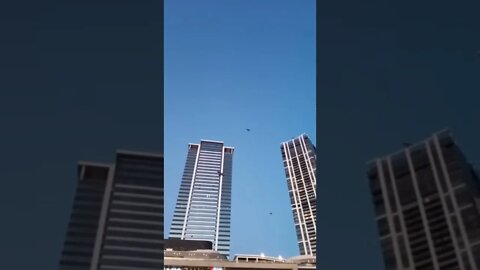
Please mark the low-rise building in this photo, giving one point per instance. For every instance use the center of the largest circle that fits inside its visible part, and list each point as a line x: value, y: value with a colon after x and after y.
x: 213, y: 260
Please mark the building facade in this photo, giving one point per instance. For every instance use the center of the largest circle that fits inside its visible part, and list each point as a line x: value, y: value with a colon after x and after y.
x: 426, y: 205
x: 203, y: 206
x: 133, y: 232
x: 83, y: 226
x: 117, y: 215
x: 299, y: 161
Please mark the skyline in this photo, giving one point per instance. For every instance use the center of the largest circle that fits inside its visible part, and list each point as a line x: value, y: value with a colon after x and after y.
x: 226, y: 72
x: 291, y: 220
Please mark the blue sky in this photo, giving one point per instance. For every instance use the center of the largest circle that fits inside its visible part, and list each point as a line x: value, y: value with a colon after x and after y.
x: 232, y: 65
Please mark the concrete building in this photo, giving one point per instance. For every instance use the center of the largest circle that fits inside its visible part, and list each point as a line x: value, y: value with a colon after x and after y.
x: 213, y: 260
x: 299, y: 161
x: 426, y: 198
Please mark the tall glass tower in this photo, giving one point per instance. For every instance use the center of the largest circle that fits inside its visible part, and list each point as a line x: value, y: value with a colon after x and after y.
x: 299, y: 161
x: 203, y: 206
x: 426, y: 202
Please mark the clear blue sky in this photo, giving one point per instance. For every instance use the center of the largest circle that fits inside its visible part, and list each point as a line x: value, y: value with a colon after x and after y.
x: 232, y: 65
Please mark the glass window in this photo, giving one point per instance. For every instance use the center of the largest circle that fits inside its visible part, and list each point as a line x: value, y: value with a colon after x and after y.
x: 471, y: 220
x: 463, y: 196
x: 396, y: 222
x: 383, y: 226
x: 426, y: 181
x: 405, y: 189
x: 389, y: 256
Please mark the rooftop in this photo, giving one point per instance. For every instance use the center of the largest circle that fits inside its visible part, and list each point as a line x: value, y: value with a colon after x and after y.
x: 413, y: 146
x: 138, y: 153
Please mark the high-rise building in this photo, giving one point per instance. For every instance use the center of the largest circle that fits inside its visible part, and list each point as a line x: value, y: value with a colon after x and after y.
x: 117, y: 215
x: 82, y: 229
x: 426, y: 203
x: 299, y: 161
x: 133, y: 232
x: 203, y: 206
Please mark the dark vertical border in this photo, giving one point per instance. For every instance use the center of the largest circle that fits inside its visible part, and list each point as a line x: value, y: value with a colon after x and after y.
x: 317, y: 117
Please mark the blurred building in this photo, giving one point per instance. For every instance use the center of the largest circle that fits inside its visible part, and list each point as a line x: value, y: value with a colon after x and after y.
x: 426, y: 204
x: 117, y: 215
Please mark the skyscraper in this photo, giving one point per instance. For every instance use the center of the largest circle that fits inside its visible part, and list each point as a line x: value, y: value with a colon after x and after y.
x: 117, y: 215
x: 299, y: 161
x: 82, y: 229
x: 133, y: 232
x: 202, y: 211
x: 426, y: 203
